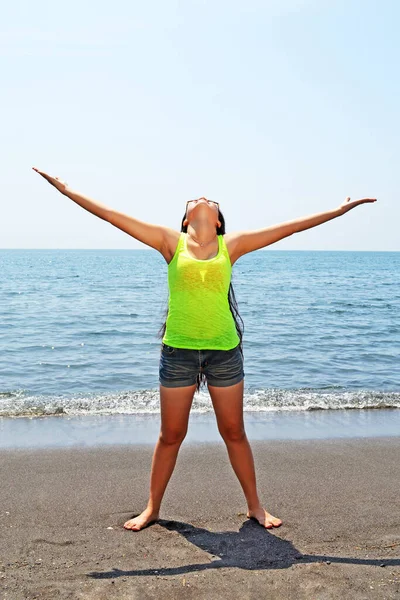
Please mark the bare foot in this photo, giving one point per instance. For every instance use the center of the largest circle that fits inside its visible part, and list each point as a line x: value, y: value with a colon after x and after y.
x: 264, y: 518
x: 139, y: 522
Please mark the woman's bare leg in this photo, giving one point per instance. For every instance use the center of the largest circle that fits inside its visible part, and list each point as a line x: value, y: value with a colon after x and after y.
x: 228, y: 406
x: 175, y: 409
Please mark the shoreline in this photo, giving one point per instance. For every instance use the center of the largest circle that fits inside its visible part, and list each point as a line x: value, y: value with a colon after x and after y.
x: 65, y: 431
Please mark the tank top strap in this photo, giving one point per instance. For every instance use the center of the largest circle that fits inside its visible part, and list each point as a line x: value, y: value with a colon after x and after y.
x: 179, y: 248
x: 181, y: 243
x: 224, y: 248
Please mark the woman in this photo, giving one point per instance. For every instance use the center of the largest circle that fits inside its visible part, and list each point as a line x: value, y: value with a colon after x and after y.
x: 201, y: 338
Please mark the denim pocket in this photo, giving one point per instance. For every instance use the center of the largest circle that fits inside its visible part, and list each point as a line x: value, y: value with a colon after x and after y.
x: 234, y: 350
x: 228, y: 355
x: 168, y: 349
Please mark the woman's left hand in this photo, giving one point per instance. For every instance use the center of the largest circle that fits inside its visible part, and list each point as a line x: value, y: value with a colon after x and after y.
x: 347, y: 205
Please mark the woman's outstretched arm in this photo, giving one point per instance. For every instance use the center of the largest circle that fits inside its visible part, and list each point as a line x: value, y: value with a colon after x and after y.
x: 247, y: 241
x: 152, y: 235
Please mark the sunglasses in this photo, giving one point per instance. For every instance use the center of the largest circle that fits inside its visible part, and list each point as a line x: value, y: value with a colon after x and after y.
x: 213, y: 201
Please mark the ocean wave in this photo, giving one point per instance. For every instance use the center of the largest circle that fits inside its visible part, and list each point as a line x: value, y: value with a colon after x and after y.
x: 19, y: 403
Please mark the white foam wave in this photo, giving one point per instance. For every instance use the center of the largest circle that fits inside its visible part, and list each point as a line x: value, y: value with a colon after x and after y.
x: 18, y: 403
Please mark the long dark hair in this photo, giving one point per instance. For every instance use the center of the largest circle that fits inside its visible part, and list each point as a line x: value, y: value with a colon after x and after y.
x: 201, y: 378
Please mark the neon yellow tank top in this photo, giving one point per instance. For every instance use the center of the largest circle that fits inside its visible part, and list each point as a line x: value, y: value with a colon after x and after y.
x: 199, y: 317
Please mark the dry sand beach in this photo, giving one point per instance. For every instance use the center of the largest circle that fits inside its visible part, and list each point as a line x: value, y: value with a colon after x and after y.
x: 62, y: 512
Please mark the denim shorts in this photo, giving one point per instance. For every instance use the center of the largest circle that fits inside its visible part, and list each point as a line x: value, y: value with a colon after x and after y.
x: 179, y: 367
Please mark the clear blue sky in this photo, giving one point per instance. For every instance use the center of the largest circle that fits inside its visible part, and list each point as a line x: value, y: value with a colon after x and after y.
x: 277, y: 109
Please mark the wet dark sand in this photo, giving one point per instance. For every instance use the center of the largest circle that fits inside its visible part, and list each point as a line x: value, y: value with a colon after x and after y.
x: 62, y: 513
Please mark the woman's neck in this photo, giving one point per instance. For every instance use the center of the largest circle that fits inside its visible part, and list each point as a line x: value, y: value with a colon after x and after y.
x: 202, y: 231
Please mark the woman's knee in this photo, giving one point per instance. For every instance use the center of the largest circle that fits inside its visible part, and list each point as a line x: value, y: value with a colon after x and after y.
x: 232, y: 434
x: 172, y: 436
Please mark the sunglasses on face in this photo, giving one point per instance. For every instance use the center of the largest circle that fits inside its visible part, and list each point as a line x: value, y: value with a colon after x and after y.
x: 213, y: 201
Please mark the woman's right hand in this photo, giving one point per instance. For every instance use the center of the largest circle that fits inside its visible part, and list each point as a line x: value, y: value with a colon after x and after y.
x: 58, y: 183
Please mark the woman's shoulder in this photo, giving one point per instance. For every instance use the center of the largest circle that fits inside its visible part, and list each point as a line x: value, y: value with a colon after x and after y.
x: 231, y: 243
x: 172, y: 238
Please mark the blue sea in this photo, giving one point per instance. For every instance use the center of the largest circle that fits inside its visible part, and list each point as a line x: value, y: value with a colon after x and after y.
x: 78, y: 339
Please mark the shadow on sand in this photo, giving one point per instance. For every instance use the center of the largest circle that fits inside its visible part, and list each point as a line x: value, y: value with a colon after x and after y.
x: 252, y: 547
